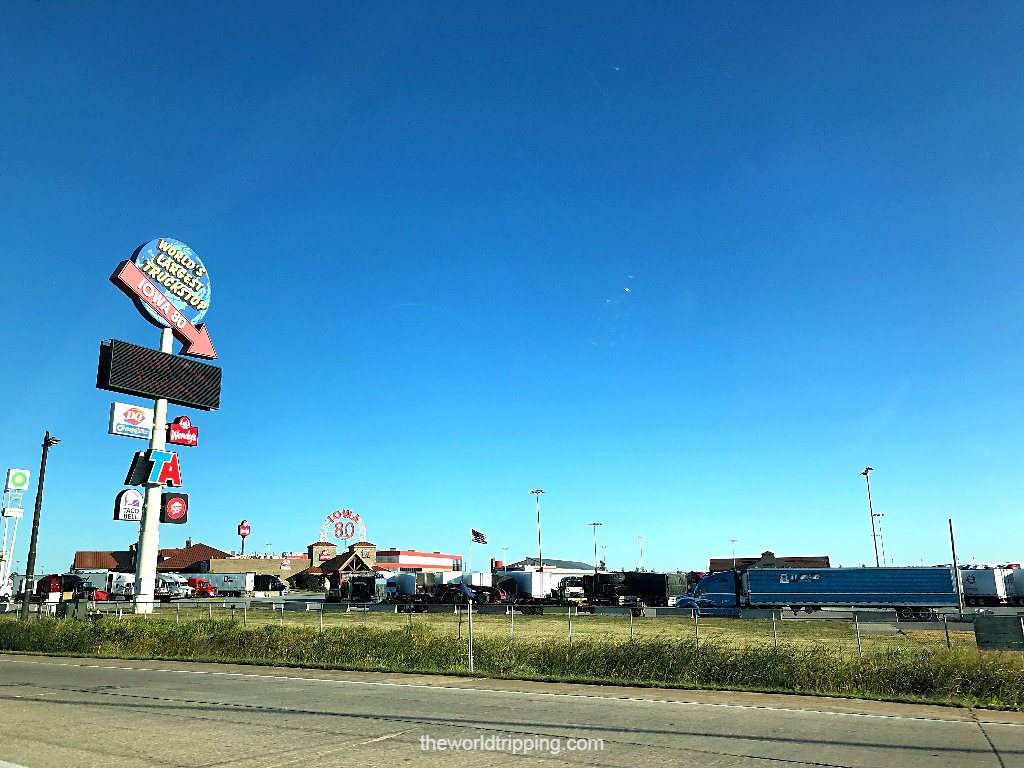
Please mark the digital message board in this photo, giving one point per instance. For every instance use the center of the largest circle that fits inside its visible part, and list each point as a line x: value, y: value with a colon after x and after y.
x: 144, y: 372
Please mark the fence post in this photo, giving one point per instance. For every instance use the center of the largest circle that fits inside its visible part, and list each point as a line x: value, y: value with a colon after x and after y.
x: 458, y: 610
x: 245, y: 616
x: 177, y: 614
x: 630, y: 623
x: 321, y: 617
x: 696, y: 630
x: 211, y: 610
x: 282, y: 614
x: 570, y: 625
x: 364, y: 617
x: 471, y: 635
x: 512, y: 615
x: 856, y: 623
x: 775, y: 631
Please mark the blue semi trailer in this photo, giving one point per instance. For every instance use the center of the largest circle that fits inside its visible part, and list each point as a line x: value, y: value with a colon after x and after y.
x: 914, y: 592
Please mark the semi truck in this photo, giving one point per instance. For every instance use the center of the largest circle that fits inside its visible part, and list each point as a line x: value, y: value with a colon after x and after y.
x: 268, y: 582
x: 915, y: 592
x: 992, y: 585
x: 171, y: 586
x: 232, y: 584
x: 633, y: 588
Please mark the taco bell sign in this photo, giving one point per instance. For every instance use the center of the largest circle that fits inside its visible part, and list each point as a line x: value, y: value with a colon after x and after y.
x: 130, y: 420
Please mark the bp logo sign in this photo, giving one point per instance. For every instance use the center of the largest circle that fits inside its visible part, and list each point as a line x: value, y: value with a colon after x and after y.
x: 17, y: 480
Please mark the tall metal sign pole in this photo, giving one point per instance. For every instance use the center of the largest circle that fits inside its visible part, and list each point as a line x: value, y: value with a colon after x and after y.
x: 540, y: 552
x: 14, y: 490
x: 171, y: 288
x: 149, y: 532
x: 28, y: 586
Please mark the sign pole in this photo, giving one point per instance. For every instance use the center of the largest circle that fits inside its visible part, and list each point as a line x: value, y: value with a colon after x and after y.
x: 149, y: 531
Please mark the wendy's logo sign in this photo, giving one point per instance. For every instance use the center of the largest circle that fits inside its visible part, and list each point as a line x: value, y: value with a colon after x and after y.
x: 181, y: 432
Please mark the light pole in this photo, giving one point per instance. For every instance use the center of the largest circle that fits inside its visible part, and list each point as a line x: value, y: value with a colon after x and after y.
x: 28, y: 585
x: 604, y: 555
x: 504, y: 556
x: 871, y: 511
x: 641, y: 552
x: 540, y: 554
x: 733, y: 541
x: 594, y: 526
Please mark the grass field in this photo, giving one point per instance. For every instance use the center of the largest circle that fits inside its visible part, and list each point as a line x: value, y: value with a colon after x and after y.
x: 733, y: 632
x: 812, y: 656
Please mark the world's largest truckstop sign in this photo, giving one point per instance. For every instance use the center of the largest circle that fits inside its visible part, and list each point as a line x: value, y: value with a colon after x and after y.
x: 171, y: 288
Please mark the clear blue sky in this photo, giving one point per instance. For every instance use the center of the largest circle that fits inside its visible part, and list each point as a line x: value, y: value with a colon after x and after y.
x: 689, y: 267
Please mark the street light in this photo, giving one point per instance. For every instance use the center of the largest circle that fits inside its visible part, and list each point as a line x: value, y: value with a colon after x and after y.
x: 28, y: 587
x: 641, y: 552
x: 604, y: 555
x: 733, y: 553
x: 594, y: 526
x: 540, y: 555
x: 504, y: 556
x: 871, y: 511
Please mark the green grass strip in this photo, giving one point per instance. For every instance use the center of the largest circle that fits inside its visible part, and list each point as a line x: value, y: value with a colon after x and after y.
x: 961, y: 676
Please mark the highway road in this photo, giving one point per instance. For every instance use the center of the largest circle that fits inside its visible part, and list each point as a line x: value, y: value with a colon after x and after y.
x: 60, y: 712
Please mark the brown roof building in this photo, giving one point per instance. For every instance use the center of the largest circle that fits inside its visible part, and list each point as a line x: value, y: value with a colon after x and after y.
x: 194, y: 559
x: 767, y: 560
x: 104, y: 561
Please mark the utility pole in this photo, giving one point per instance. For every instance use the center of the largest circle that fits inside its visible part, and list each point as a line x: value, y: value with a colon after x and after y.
x: 733, y: 542
x: 956, y: 571
x: 594, y: 526
x: 641, y: 552
x: 540, y: 554
x: 28, y: 586
x: 871, y: 511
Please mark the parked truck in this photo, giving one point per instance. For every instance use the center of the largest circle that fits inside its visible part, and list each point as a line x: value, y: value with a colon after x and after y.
x: 232, y: 584
x: 172, y: 586
x: 268, y: 582
x: 633, y: 588
x: 202, y: 586
x: 914, y: 592
x: 991, y: 584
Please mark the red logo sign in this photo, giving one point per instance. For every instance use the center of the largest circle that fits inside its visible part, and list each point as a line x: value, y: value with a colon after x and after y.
x: 243, y: 529
x: 135, y: 415
x: 326, y: 555
x: 174, y: 507
x: 181, y: 432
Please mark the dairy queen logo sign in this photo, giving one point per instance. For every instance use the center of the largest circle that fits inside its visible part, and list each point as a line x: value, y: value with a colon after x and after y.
x: 181, y: 432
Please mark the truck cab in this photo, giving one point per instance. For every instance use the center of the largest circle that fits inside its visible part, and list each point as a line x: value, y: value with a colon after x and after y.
x: 716, y: 592
x: 202, y: 587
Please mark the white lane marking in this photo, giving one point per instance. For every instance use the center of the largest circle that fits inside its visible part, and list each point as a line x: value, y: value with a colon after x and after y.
x: 530, y: 693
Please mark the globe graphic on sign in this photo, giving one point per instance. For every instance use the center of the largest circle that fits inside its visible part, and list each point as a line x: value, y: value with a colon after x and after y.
x: 179, y: 274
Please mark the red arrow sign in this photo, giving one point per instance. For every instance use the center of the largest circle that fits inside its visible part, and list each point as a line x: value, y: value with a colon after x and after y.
x: 129, y: 278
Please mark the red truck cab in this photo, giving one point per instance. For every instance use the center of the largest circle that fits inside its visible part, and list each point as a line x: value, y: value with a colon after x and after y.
x: 202, y: 587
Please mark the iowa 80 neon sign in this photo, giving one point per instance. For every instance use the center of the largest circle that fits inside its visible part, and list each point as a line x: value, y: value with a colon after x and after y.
x: 343, y: 524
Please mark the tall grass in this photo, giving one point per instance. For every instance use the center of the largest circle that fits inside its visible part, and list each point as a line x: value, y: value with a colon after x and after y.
x: 960, y: 676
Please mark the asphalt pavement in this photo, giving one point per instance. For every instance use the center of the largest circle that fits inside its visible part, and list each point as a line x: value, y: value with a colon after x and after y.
x: 59, y: 712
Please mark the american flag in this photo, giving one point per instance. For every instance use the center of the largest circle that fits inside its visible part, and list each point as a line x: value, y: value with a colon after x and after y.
x: 477, y: 537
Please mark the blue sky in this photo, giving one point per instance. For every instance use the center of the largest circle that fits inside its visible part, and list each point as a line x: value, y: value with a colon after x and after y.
x: 421, y: 221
